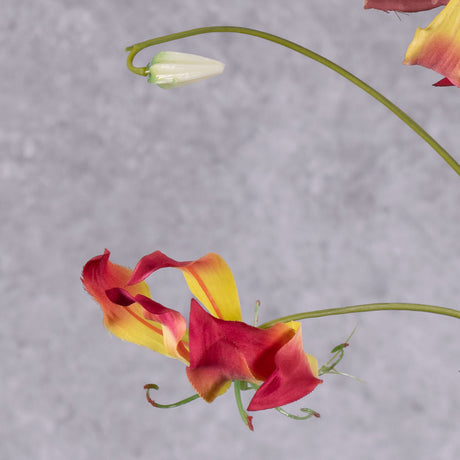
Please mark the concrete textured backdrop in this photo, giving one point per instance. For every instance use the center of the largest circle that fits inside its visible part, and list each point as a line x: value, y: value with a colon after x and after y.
x: 315, y: 195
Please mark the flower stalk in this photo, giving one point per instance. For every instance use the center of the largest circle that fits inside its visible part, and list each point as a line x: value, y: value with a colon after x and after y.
x: 143, y: 71
x: 365, y: 308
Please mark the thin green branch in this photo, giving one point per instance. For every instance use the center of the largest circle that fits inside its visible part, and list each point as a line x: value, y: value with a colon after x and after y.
x: 134, y: 49
x: 365, y: 308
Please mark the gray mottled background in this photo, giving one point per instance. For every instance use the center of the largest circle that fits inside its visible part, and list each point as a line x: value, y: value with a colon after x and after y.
x: 315, y: 195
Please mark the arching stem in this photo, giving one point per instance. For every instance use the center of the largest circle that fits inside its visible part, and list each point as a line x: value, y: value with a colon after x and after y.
x: 365, y: 308
x: 134, y: 49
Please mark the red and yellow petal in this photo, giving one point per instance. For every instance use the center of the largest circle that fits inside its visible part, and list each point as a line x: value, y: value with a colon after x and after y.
x: 294, y: 377
x: 223, y: 351
x: 216, y: 359
x: 408, y: 6
x: 437, y: 46
x: 209, y: 279
x: 126, y: 322
x: 172, y: 323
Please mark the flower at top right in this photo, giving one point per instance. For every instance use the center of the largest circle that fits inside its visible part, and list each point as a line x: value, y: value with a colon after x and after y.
x: 437, y: 46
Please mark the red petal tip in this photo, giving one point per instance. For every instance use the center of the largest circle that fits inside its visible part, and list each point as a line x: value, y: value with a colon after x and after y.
x: 443, y: 82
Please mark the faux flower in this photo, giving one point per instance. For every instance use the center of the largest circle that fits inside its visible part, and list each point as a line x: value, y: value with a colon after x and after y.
x: 218, y: 347
x: 170, y: 69
x: 408, y: 6
x: 436, y: 47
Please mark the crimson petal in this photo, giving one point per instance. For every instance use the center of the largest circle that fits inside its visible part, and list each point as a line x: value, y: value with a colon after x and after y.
x: 407, y: 6
x: 292, y: 379
x: 223, y: 351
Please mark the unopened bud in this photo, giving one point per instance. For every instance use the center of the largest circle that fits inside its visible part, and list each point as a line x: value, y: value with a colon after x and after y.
x: 170, y: 69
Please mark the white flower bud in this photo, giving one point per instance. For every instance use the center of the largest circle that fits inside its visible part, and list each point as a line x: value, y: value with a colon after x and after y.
x: 169, y: 69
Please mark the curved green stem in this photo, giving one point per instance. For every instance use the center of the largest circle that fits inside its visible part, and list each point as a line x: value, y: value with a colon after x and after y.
x: 134, y: 49
x: 364, y: 308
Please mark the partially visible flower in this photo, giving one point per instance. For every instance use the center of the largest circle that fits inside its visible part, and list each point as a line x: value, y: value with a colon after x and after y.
x: 408, y: 6
x: 218, y: 348
x: 437, y: 46
x: 170, y: 69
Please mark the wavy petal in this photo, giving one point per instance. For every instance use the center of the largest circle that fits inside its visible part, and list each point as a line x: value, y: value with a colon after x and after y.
x: 408, y: 6
x: 126, y: 322
x: 172, y: 323
x: 437, y: 46
x: 222, y: 351
x: 209, y: 279
x: 294, y: 377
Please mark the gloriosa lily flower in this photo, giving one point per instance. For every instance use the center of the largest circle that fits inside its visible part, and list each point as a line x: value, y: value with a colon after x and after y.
x: 170, y: 69
x: 436, y: 47
x: 218, y: 348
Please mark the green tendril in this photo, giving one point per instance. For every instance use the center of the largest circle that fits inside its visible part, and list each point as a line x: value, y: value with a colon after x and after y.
x: 152, y: 386
x: 247, y: 419
x: 134, y: 49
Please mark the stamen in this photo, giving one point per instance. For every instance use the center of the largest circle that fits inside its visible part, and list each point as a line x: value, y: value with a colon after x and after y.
x: 338, y: 352
x: 247, y: 419
x: 335, y: 371
x: 150, y: 386
x: 256, y: 313
x: 309, y: 412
